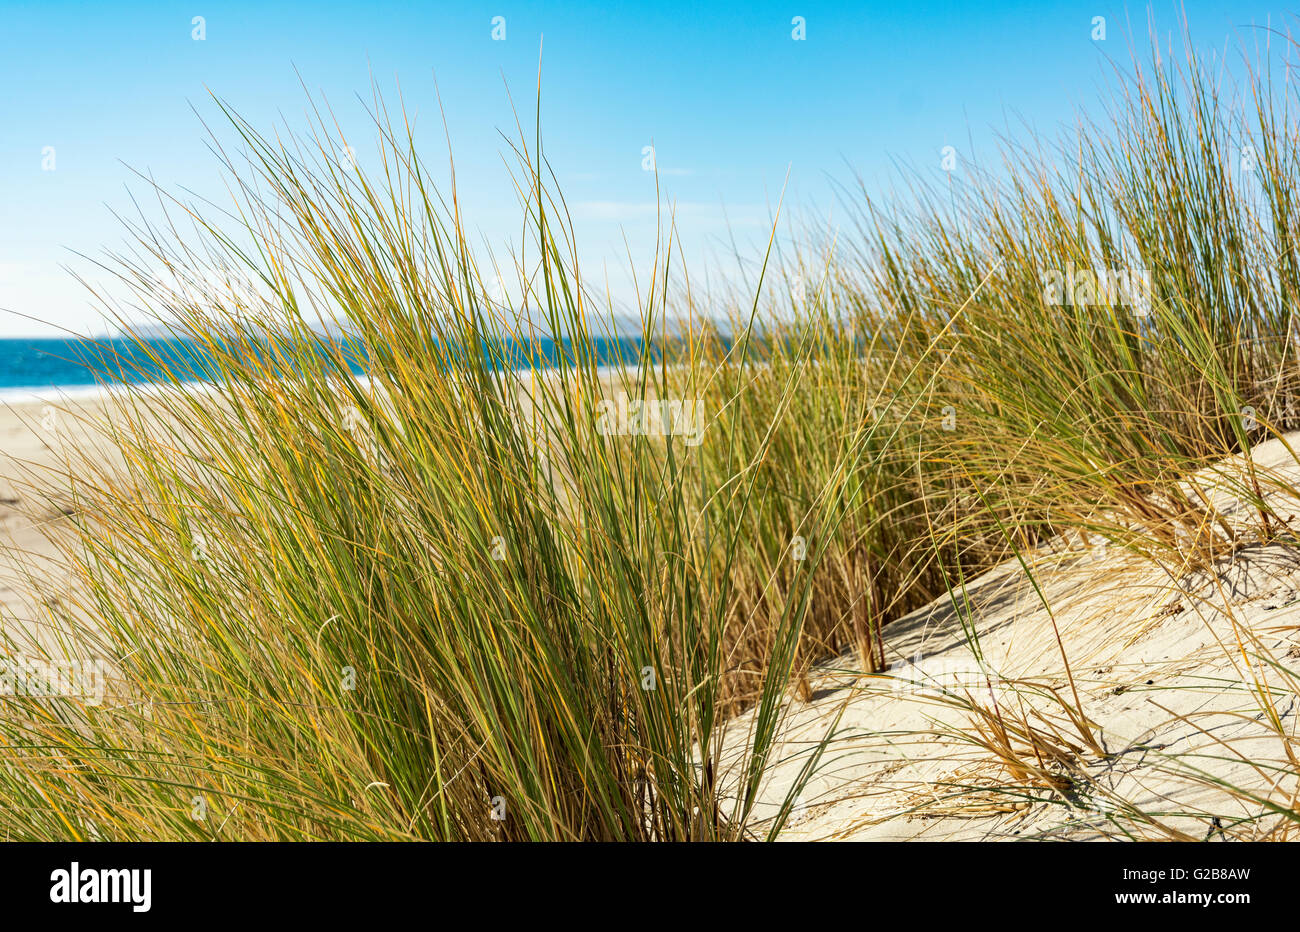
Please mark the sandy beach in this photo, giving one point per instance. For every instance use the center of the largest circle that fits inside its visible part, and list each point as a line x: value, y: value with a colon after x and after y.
x: 28, y: 464
x: 39, y: 439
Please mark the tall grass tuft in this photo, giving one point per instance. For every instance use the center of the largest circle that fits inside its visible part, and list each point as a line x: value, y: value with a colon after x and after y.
x: 459, y: 596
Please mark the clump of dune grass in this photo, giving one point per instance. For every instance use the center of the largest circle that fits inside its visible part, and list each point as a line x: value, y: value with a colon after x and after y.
x: 1078, y: 417
x: 1132, y: 320
x: 437, y: 600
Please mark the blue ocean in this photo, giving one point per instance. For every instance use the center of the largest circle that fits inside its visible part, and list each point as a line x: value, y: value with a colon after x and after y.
x: 40, y: 368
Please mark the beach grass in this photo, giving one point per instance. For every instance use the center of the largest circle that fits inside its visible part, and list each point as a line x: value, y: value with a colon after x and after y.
x: 465, y: 598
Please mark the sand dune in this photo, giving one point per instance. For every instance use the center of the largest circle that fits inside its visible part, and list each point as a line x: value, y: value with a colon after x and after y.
x: 1171, y: 674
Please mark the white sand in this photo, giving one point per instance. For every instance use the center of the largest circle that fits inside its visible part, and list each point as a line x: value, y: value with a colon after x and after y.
x: 35, y: 439
x: 1165, y: 669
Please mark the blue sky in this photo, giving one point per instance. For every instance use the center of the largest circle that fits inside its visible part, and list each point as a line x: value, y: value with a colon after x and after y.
x: 727, y: 96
